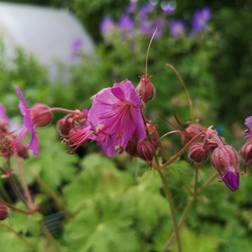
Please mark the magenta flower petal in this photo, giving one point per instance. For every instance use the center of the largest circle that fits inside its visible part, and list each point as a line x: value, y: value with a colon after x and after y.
x: 28, y: 127
x: 116, y: 116
x: 232, y: 180
x: 4, y: 120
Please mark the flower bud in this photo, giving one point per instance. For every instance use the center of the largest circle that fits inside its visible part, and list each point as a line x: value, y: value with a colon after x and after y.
x: 132, y: 147
x: 41, y: 115
x: 3, y: 211
x: 21, y: 150
x: 145, y: 89
x: 146, y: 150
x: 197, y: 153
x: 64, y: 126
x: 212, y: 140
x: 191, y: 131
x: 246, y: 152
x: 225, y: 159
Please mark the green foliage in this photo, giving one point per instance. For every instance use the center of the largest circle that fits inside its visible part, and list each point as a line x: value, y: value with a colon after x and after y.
x: 55, y: 166
x: 118, y: 205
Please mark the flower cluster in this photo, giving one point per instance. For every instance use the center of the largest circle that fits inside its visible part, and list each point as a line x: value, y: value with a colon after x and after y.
x: 12, y: 144
x: 145, y: 19
x: 224, y: 157
x: 114, y: 121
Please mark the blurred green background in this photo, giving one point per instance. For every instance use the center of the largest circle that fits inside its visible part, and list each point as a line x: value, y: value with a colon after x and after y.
x: 117, y: 205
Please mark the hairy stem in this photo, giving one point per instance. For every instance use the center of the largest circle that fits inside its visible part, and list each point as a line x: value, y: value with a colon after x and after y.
x: 181, y: 81
x: 175, y: 157
x: 148, y: 51
x: 172, y: 208
x: 61, y: 110
x: 26, y: 190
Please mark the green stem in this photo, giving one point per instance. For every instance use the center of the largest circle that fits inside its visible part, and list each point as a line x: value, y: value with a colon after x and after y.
x: 20, y: 237
x: 180, y: 152
x: 196, y: 178
x: 180, y: 223
x: 172, y: 208
x: 57, y: 199
x: 188, y: 207
x: 26, y: 190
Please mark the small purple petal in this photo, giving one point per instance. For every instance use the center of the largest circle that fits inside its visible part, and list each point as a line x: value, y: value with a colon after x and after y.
x: 231, y: 180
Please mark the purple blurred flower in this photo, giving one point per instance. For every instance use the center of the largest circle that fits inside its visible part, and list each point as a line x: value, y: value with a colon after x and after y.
x: 116, y: 117
x: 28, y: 126
x: 126, y: 23
x: 168, y: 8
x: 132, y: 7
x: 107, y: 27
x: 200, y: 19
x: 145, y: 11
x: 177, y: 28
x: 148, y: 27
x: 248, y: 123
x: 77, y: 45
x: 4, y: 120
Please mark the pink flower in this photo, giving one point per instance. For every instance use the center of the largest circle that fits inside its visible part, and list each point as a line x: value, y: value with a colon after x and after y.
x: 28, y: 126
x: 116, y: 117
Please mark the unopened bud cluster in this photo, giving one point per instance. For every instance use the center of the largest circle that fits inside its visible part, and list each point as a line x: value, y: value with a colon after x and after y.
x: 224, y: 158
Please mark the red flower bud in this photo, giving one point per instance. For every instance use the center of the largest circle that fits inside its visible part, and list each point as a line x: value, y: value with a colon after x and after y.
x: 21, y: 150
x: 132, y: 147
x: 64, y: 126
x: 197, y: 153
x: 191, y: 131
x: 3, y: 211
x: 41, y: 115
x: 146, y: 150
x: 246, y: 152
x: 145, y: 89
x: 225, y: 159
x: 212, y: 140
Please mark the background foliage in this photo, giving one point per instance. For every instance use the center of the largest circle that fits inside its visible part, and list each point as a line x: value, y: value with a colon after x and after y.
x: 118, y: 205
